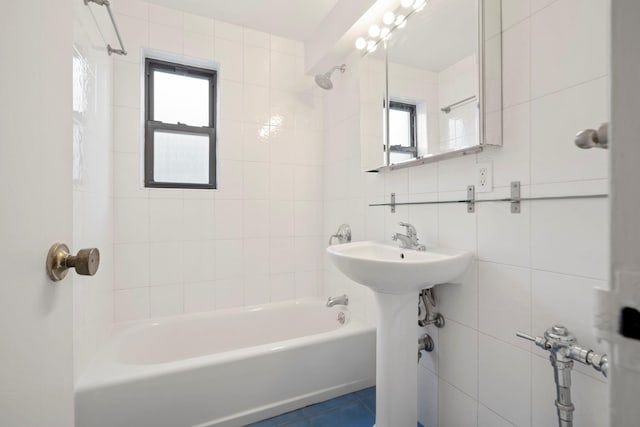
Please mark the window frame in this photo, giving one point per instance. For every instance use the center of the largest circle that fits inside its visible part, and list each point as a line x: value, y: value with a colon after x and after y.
x: 412, y: 148
x: 151, y: 125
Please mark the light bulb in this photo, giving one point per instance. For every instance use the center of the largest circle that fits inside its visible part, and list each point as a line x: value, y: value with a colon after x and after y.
x: 384, y: 32
x: 388, y: 18
x: 407, y: 3
x: 374, y: 30
x: 361, y: 43
x: 371, y: 46
x: 420, y: 4
x: 399, y: 20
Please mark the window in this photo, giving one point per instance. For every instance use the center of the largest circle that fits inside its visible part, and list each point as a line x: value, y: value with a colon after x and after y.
x: 402, y: 131
x: 180, y: 139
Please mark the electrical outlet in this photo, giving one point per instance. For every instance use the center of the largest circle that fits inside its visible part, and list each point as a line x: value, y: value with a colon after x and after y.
x: 484, y: 178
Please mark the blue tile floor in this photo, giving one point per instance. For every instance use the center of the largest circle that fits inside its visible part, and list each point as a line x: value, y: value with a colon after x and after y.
x: 351, y: 410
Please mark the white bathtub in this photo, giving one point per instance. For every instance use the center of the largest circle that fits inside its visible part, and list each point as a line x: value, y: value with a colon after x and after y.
x: 225, y: 368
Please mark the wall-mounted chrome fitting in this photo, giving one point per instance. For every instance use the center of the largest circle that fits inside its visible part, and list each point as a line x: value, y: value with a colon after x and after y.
x: 425, y: 343
x: 591, y: 138
x: 515, y: 197
x: 425, y: 303
x: 343, y: 235
x: 471, y: 199
x: 339, y: 300
x: 564, y: 349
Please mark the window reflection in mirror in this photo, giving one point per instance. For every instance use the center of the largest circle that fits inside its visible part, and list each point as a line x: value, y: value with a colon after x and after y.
x: 402, y: 131
x: 433, y: 63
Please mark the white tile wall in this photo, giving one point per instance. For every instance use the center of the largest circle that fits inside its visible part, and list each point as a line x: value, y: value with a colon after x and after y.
x: 533, y: 269
x: 257, y: 237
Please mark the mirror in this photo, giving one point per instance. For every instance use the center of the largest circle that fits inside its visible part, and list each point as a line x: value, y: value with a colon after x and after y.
x: 440, y: 85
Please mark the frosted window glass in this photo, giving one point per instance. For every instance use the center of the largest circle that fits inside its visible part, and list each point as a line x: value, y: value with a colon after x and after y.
x: 183, y: 99
x: 181, y: 158
x: 400, y: 127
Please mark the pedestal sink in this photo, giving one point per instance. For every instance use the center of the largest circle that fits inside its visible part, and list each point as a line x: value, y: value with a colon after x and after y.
x: 396, y: 276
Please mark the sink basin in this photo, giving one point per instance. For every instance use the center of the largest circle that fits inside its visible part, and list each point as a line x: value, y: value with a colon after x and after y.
x: 392, y: 270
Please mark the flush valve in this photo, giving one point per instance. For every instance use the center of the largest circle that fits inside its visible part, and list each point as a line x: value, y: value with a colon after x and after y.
x: 563, y: 348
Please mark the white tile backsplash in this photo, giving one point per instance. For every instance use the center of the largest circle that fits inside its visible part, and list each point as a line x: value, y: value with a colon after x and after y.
x: 456, y: 408
x: 199, y: 297
x: 166, y: 300
x: 502, y: 236
x: 565, y: 238
x: 165, y: 263
x: 561, y: 52
x: 504, y: 302
x: 199, y: 24
x: 516, y: 62
x: 488, y: 418
x: 459, y: 365
x: 505, y: 380
x: 555, y: 119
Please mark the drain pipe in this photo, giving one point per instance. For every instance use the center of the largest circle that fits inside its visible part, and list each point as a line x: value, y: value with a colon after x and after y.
x: 564, y: 350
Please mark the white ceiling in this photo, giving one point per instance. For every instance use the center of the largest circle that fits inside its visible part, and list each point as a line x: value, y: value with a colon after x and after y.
x: 294, y: 19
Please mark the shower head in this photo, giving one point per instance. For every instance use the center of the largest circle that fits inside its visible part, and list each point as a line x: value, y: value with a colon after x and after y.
x: 324, y: 80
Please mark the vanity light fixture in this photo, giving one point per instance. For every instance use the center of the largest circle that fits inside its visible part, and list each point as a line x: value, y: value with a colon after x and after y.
x: 374, y: 31
x: 391, y: 20
x: 388, y: 18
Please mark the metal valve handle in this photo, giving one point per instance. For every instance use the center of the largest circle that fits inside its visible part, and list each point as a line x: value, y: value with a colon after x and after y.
x: 343, y: 235
x: 59, y: 260
x: 564, y: 349
x: 590, y: 138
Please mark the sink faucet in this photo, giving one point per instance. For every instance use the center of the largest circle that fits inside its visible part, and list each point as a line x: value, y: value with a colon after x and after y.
x: 410, y: 240
x: 341, y: 300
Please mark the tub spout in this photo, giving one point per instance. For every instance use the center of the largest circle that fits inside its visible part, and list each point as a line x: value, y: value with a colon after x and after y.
x: 341, y: 300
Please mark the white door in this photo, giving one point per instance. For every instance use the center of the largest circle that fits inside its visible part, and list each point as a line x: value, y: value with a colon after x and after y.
x: 625, y: 217
x: 36, y: 350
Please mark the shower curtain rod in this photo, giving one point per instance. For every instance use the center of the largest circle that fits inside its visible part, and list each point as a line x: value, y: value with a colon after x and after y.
x: 106, y: 3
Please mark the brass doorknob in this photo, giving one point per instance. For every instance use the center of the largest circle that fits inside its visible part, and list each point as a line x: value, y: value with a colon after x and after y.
x: 59, y: 260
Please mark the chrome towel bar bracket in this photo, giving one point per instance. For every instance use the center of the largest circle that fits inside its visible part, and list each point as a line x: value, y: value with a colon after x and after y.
x: 111, y: 50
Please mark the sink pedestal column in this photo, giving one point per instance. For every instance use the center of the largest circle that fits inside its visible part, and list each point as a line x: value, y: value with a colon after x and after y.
x: 396, y: 360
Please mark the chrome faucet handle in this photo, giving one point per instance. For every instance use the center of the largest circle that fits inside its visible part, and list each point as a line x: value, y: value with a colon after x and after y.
x: 411, y: 230
x: 343, y: 235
